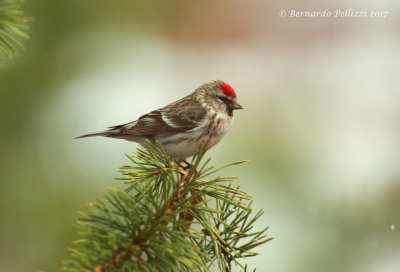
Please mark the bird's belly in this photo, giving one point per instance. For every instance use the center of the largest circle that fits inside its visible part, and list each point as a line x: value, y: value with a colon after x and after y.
x: 183, y: 145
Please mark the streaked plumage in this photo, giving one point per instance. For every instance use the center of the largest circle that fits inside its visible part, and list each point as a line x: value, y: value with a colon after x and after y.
x: 184, y: 125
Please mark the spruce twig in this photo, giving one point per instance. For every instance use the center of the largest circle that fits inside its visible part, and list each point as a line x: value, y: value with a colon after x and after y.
x: 12, y: 27
x: 167, y: 219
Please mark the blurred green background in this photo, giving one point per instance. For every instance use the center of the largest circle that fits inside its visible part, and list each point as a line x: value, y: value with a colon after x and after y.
x: 321, y: 123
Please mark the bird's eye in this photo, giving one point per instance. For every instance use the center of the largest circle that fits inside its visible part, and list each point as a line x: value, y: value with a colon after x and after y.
x: 223, y: 99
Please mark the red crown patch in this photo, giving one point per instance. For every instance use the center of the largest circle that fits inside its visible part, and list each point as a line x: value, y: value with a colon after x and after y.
x: 227, y: 90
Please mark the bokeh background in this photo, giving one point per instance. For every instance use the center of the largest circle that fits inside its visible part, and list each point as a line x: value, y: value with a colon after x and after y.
x: 321, y: 124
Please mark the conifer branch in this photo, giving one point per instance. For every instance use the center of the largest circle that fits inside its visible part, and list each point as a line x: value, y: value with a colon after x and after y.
x: 12, y: 27
x: 167, y: 219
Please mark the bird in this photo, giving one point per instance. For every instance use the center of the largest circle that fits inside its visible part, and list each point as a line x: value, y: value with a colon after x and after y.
x: 182, y: 127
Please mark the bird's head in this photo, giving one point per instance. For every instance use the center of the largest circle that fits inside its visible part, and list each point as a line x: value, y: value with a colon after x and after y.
x: 223, y: 94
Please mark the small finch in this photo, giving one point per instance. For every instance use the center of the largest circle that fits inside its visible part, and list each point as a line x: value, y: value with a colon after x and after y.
x: 181, y: 127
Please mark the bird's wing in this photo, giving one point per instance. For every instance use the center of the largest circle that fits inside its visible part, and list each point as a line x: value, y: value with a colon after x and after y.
x: 180, y: 116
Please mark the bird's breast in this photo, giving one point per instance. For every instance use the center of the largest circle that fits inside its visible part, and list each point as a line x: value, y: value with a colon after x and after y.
x: 218, y: 128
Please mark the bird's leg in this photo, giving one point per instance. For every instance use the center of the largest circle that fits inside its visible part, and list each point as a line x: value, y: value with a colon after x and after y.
x: 187, y: 164
x: 184, y: 171
x: 180, y: 166
x: 184, y: 168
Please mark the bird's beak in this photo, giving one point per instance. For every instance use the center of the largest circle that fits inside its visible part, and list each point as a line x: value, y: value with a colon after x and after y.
x: 235, y: 106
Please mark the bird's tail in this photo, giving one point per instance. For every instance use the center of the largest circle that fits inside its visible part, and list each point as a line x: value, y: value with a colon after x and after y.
x: 106, y: 133
x: 114, y: 131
